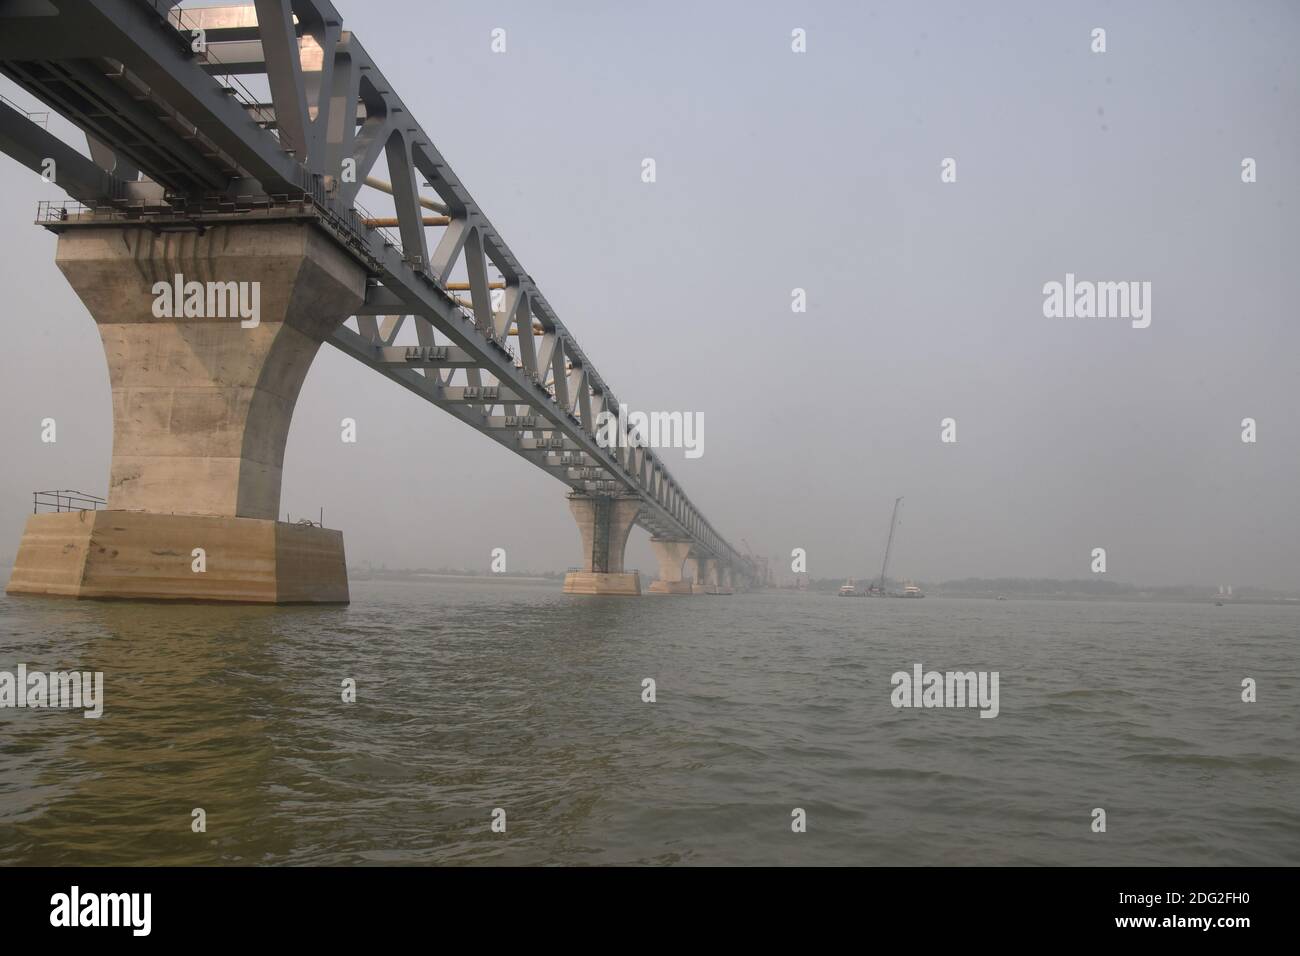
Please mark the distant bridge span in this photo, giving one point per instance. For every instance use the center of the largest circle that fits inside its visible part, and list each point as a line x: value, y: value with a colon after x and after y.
x: 190, y: 174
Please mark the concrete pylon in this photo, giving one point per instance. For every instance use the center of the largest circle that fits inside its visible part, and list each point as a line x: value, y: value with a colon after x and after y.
x: 706, y: 576
x: 671, y: 556
x: 690, y: 569
x: 202, y: 401
x: 604, y: 523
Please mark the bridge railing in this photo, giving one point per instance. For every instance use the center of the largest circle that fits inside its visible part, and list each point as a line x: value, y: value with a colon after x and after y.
x: 361, y: 214
x: 177, y: 17
x: 54, y: 211
x: 48, y: 210
x: 65, y: 500
x: 582, y: 569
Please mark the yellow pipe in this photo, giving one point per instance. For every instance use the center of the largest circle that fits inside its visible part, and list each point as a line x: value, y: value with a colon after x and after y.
x: 378, y: 221
x: 466, y: 303
x: 386, y: 187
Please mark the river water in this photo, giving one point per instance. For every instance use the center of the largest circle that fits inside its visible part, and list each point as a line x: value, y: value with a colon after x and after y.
x: 479, y: 695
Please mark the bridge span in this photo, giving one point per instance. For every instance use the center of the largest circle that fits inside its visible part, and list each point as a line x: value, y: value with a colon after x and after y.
x: 193, y: 181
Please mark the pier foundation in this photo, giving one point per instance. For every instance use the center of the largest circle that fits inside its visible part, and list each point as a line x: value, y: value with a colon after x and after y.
x: 202, y: 400
x: 604, y: 523
x: 706, y: 576
x: 135, y: 555
x: 671, y: 556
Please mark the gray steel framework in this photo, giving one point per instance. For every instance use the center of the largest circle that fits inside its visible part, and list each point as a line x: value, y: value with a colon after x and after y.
x: 176, y: 137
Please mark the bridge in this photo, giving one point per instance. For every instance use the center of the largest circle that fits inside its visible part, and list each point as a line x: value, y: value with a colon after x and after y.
x: 216, y: 238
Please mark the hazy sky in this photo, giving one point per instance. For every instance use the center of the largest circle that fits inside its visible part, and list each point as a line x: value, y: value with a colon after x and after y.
x: 820, y: 171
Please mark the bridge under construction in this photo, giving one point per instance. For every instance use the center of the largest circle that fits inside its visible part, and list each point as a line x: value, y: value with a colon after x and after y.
x: 191, y: 178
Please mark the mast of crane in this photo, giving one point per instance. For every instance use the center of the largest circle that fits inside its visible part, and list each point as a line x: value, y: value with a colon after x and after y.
x: 889, y: 544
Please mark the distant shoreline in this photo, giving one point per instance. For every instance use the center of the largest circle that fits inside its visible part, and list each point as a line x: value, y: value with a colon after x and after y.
x: 1124, y: 598
x: 368, y: 575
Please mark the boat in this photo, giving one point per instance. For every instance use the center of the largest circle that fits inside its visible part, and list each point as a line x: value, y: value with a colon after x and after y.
x: 850, y: 589
x: 912, y: 591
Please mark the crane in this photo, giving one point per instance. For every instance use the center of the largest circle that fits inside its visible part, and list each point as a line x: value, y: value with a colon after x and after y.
x: 889, y: 545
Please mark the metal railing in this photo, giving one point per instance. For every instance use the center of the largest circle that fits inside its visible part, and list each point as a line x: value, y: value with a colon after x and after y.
x: 308, y: 522
x: 360, y: 215
x: 55, y: 210
x: 66, y: 500
x: 173, y: 209
x: 233, y: 84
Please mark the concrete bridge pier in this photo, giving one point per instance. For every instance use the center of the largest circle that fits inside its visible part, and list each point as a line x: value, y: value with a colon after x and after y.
x: 202, y: 401
x: 706, y: 576
x: 604, y: 523
x: 725, y: 578
x: 671, y: 556
x: 691, y: 573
